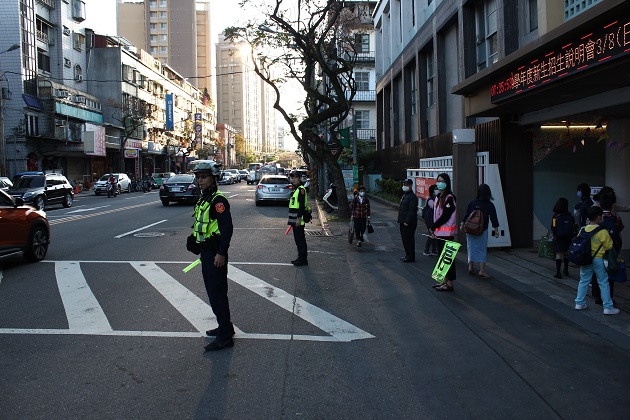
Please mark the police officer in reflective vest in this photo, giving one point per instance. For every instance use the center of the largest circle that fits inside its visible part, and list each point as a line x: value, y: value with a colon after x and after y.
x: 298, y: 204
x: 212, y: 232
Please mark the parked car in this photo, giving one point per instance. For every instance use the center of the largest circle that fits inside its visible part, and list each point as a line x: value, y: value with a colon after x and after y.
x: 251, y: 177
x: 5, y: 183
x: 243, y: 173
x: 42, y: 190
x: 22, y: 228
x: 235, y: 174
x: 123, y: 181
x: 180, y: 188
x: 273, y: 188
x: 226, y: 178
x: 161, y: 177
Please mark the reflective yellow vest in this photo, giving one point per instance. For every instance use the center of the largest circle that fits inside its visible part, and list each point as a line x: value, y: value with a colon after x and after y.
x: 204, y: 226
x: 294, y: 205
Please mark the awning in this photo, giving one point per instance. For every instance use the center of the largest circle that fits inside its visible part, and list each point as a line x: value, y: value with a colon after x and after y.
x: 32, y: 101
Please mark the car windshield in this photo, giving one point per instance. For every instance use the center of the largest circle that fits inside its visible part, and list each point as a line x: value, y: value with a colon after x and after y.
x: 180, y: 178
x: 30, y: 182
x: 106, y: 177
x: 274, y: 180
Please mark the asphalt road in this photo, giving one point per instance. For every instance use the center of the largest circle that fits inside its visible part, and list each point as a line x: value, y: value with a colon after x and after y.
x: 108, y: 326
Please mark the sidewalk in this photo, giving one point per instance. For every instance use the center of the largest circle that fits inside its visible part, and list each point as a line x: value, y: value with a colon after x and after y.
x: 520, y: 269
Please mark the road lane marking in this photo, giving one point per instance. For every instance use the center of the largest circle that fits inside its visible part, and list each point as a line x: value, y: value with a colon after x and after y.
x: 195, y: 310
x: 87, y: 216
x: 83, y: 311
x: 139, y: 229
x: 85, y: 316
x: 88, y: 209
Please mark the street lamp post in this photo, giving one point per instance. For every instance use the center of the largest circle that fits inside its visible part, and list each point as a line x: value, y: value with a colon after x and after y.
x: 3, y: 144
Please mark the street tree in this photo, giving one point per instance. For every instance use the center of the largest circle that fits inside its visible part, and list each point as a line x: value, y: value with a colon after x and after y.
x: 313, y: 44
x: 132, y: 114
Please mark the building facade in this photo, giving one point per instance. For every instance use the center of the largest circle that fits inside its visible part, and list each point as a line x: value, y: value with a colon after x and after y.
x: 539, y: 82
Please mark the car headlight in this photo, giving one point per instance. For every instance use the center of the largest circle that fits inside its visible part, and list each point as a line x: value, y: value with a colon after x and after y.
x: 27, y: 195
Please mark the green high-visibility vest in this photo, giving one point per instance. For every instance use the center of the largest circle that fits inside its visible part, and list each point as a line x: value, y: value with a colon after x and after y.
x: 294, y: 205
x: 204, y: 226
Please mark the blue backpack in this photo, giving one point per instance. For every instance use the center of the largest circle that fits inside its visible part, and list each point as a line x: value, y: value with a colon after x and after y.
x: 565, y: 226
x: 580, y: 248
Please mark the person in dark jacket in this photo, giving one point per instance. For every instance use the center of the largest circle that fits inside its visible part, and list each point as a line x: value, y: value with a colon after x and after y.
x: 477, y: 245
x: 360, y: 209
x: 579, y: 210
x: 408, y: 220
x: 563, y: 229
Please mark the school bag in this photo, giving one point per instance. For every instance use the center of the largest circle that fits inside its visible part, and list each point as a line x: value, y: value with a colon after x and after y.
x: 580, y: 248
x: 614, y: 226
x: 427, y: 214
x: 565, y: 226
x: 474, y: 223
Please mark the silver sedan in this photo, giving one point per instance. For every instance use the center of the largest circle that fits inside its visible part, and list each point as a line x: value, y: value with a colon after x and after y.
x: 273, y: 188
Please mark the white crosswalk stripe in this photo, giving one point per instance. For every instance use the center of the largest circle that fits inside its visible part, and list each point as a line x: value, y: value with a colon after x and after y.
x: 86, y: 317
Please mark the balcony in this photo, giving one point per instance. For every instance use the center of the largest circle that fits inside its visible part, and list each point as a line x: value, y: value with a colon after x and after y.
x: 365, y: 57
x: 112, y: 142
x: 367, y: 134
x: 43, y: 37
x: 48, y: 3
x: 363, y: 96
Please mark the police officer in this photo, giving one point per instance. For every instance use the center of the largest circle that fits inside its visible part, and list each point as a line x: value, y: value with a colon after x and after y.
x: 212, y: 232
x: 298, y: 204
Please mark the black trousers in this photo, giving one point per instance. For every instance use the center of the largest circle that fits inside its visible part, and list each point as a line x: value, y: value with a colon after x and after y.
x: 300, y: 241
x: 215, y: 280
x: 359, y: 227
x: 408, y: 235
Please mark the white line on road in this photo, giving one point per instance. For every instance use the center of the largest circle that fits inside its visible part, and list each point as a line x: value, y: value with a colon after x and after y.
x: 138, y: 230
x: 83, y: 311
x: 89, y: 209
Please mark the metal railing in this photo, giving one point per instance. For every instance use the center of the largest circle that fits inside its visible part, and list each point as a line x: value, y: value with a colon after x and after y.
x: 48, y: 3
x: 42, y: 36
x: 368, y: 134
x: 363, y: 96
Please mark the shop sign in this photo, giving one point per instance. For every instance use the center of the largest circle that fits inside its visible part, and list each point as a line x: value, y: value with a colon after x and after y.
x: 155, y: 148
x: 133, y: 144
x: 422, y: 187
x: 94, y: 140
x: 592, y: 48
x: 169, y: 112
x: 79, y: 113
x: 198, y: 126
x: 131, y: 153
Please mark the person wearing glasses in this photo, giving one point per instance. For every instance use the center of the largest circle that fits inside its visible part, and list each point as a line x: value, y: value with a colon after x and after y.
x: 212, y: 232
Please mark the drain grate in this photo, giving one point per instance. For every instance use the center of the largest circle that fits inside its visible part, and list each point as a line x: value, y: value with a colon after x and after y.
x: 315, y: 233
x: 148, y: 235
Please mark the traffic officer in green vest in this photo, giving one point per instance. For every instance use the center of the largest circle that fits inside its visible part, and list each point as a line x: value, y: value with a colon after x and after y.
x: 212, y: 232
x: 298, y: 205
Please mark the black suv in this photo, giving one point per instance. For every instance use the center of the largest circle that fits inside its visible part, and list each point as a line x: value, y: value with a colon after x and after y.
x: 40, y: 191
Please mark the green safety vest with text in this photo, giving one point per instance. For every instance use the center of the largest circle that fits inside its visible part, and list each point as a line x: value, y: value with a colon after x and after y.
x: 294, y: 205
x: 205, y: 226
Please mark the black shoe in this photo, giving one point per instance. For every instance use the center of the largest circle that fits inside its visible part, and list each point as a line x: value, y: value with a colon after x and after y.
x: 565, y: 272
x: 403, y: 258
x: 213, y: 332
x: 408, y: 259
x: 557, y: 275
x: 220, y: 344
x: 295, y: 260
x: 299, y: 262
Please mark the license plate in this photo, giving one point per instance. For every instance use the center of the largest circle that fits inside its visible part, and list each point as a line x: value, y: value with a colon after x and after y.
x: 177, y: 189
x: 274, y: 189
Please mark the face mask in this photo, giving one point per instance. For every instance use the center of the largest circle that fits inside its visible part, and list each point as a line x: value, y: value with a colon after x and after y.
x: 579, y: 194
x: 405, y: 188
x: 435, y: 193
x: 361, y: 194
x: 441, y: 186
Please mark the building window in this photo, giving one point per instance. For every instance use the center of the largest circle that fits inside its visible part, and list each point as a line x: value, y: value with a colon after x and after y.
x: 163, y: 37
x: 78, y: 73
x: 153, y: 25
x: 154, y: 50
x: 163, y: 50
x: 532, y: 15
x: 487, y: 39
x: 362, y: 43
x: 573, y: 8
x: 153, y: 38
x: 162, y: 15
x: 413, y: 87
x: 163, y: 26
x: 43, y: 61
x: 362, y: 119
x: 362, y: 80
x: 78, y: 10
x: 32, y: 125
x: 153, y: 4
x: 430, y: 80
x: 152, y: 15
x: 78, y: 39
x: 162, y: 3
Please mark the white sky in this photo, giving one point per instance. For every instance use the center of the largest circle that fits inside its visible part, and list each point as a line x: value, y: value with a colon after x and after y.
x: 101, y: 16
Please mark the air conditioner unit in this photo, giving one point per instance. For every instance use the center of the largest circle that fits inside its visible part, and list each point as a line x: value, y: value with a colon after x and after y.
x: 66, y: 30
x: 60, y: 123
x: 78, y: 78
x: 79, y: 99
x: 60, y: 93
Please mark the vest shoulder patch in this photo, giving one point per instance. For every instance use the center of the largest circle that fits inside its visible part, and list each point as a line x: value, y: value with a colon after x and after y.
x: 219, y: 207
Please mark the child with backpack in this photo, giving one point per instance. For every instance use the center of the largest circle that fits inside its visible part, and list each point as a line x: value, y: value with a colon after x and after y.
x: 427, y: 216
x: 598, y: 242
x: 563, y: 230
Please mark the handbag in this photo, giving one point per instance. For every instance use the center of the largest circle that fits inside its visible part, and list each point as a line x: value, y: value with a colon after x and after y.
x: 370, y: 228
x: 545, y: 248
x: 350, y: 232
x: 610, y: 261
x: 620, y: 276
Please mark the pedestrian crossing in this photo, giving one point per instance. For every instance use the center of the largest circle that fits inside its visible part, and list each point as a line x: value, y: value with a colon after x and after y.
x: 86, y: 316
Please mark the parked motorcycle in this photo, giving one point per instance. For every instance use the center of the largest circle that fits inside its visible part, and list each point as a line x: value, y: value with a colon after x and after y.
x: 135, y: 185
x: 112, y: 189
x: 146, y: 185
x: 330, y: 198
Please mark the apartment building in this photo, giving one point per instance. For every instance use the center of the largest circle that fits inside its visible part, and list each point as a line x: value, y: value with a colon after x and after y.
x: 540, y: 83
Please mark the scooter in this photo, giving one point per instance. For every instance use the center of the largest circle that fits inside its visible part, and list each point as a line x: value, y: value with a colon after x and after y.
x: 330, y: 198
x: 146, y: 185
x: 112, y: 190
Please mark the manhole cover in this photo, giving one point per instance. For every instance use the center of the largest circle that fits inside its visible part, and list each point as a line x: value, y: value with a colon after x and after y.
x: 148, y: 234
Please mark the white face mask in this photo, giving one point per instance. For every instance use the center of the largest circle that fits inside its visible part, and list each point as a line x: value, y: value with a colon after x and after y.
x: 361, y: 194
x: 405, y: 188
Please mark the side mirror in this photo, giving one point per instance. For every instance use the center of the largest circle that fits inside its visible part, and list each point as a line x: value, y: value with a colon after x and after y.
x: 19, y: 201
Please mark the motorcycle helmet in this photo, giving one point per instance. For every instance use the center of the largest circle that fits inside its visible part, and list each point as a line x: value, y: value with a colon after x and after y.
x: 210, y: 166
x: 295, y: 174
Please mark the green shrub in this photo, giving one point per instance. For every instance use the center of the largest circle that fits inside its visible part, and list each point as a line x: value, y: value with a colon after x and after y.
x: 389, y: 186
